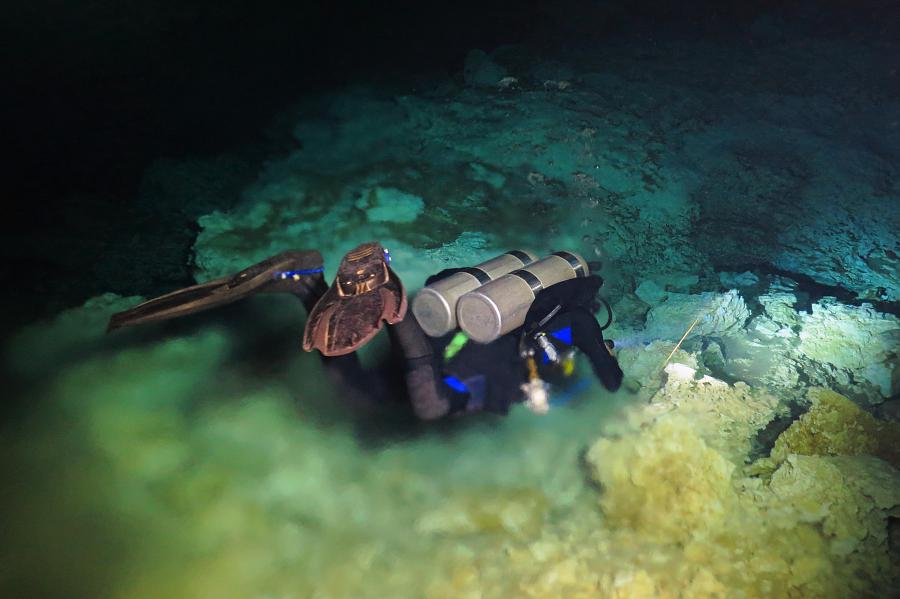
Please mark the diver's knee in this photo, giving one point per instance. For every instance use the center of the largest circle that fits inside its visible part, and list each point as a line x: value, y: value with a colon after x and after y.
x: 427, y: 402
x: 429, y: 411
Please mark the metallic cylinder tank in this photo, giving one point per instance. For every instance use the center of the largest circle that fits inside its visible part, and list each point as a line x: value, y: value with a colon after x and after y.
x: 498, y: 307
x: 435, y: 305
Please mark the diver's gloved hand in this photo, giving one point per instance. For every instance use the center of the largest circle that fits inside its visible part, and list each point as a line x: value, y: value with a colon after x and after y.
x: 537, y: 396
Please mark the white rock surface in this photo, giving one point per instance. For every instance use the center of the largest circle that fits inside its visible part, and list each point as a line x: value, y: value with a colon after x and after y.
x: 716, y: 314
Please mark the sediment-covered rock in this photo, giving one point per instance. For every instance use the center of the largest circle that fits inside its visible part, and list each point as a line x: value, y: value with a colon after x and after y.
x: 835, y: 426
x: 818, y: 527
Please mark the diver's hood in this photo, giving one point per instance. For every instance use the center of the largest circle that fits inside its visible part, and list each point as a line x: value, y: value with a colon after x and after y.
x: 365, y: 292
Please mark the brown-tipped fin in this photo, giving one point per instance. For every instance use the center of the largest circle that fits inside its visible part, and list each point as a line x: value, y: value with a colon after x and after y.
x: 365, y: 293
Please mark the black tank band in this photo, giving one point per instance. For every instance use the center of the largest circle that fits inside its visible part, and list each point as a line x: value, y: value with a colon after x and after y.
x: 573, y: 260
x: 529, y: 278
x: 525, y: 258
x: 477, y: 273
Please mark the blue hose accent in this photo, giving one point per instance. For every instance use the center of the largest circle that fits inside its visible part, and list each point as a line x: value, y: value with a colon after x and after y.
x: 564, y: 335
x: 456, y: 384
x: 287, y: 274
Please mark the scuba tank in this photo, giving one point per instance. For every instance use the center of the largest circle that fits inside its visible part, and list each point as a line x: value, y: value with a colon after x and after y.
x: 435, y: 306
x: 499, y: 306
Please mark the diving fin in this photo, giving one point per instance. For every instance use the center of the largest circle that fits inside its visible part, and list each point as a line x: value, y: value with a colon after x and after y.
x: 366, y: 293
x: 279, y: 274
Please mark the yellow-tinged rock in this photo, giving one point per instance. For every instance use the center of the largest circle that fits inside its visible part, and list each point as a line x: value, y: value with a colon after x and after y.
x: 725, y: 416
x: 834, y: 425
x: 634, y: 585
x: 850, y: 496
x: 511, y: 511
x: 806, y: 569
x: 706, y: 586
x: 691, y: 525
x: 664, y: 481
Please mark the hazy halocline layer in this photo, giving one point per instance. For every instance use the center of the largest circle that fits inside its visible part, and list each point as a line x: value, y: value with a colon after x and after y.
x: 218, y: 462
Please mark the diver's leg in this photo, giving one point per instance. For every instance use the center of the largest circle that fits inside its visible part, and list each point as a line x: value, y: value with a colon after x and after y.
x: 430, y: 398
x: 357, y: 385
x: 588, y: 337
x: 308, y: 289
x: 361, y: 388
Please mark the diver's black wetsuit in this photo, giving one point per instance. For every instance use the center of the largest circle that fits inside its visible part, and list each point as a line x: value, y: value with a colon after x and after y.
x: 496, y: 366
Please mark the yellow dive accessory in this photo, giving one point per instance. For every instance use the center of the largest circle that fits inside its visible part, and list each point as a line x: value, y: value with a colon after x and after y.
x: 567, y: 363
x: 532, y: 368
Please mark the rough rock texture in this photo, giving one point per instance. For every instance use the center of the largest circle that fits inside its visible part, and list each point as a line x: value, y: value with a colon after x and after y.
x: 847, y: 239
x: 766, y: 356
x: 643, y: 364
x: 662, y: 181
x: 667, y: 483
x: 851, y: 497
x: 716, y: 315
x: 859, y: 346
x: 733, y: 279
x: 852, y: 349
x: 726, y: 416
x: 835, y: 426
x: 388, y: 204
x: 233, y: 482
x: 548, y: 162
x: 817, y: 528
x: 229, y: 242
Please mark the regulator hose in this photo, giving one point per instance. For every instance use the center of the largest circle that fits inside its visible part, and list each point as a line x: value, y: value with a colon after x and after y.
x: 608, y: 312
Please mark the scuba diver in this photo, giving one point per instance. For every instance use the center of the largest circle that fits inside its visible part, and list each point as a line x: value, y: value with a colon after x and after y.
x: 463, y: 343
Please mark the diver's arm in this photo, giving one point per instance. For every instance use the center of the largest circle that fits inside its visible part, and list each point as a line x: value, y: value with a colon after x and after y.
x: 571, y: 300
x: 562, y: 296
x: 588, y: 337
x: 430, y: 398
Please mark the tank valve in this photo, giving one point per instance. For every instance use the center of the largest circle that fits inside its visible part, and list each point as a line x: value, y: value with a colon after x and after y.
x: 547, y: 346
